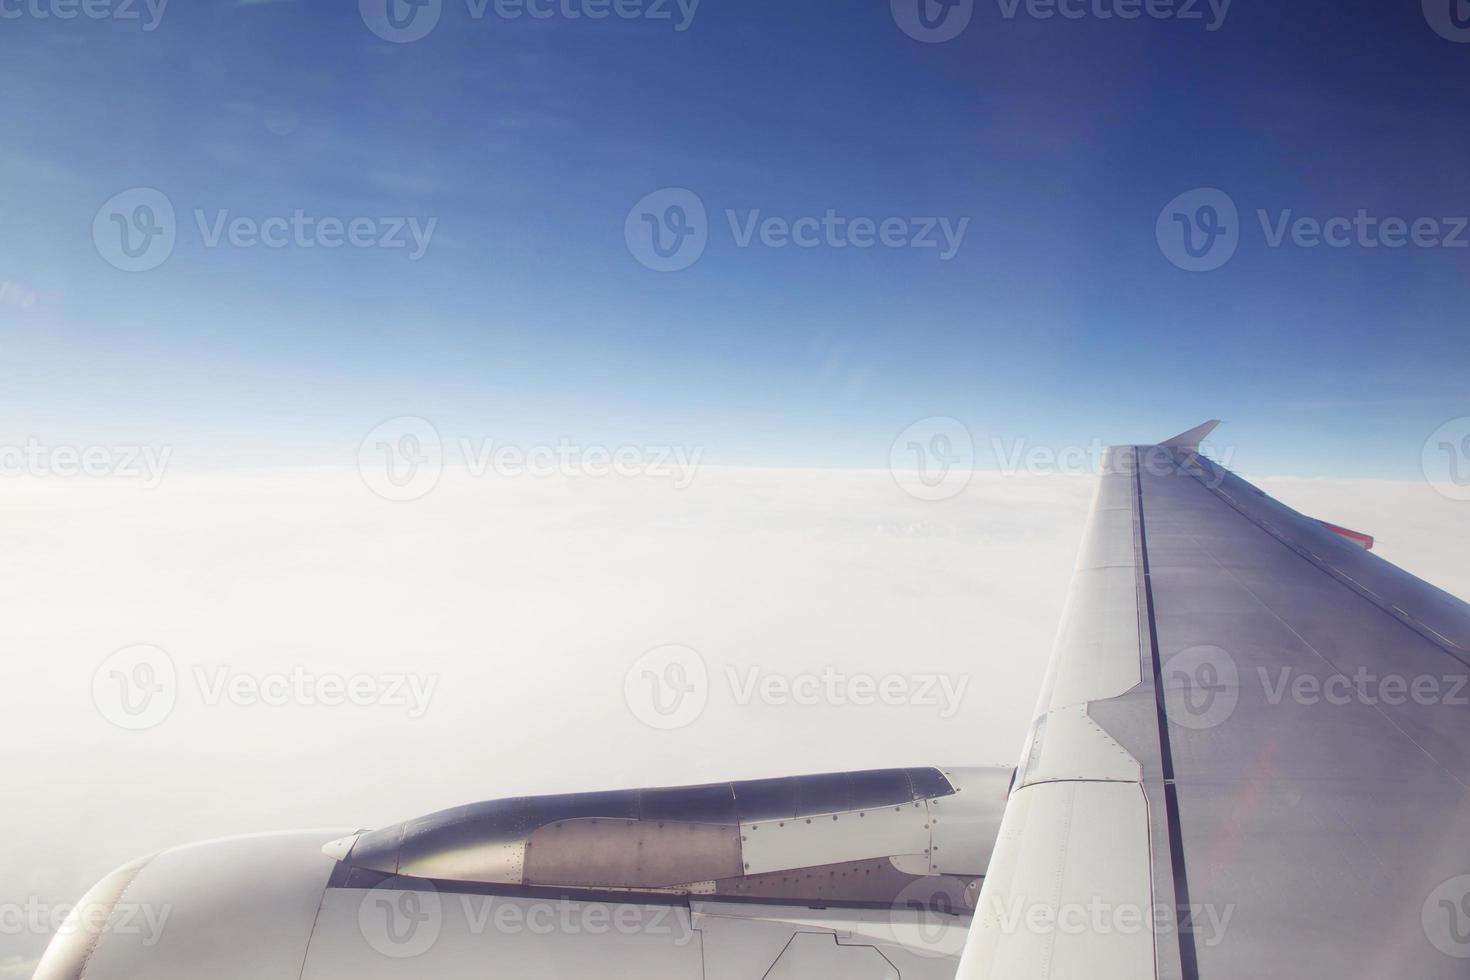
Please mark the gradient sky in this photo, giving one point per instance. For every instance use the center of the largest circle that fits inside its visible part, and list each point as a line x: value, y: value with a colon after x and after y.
x: 1059, y: 320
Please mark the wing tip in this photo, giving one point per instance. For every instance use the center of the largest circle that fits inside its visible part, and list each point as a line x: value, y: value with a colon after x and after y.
x: 1190, y: 439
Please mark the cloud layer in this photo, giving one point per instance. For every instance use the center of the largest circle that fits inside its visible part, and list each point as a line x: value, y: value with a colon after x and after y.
x: 527, y: 602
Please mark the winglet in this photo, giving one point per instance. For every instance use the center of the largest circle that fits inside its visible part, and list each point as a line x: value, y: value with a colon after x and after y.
x: 1190, y: 440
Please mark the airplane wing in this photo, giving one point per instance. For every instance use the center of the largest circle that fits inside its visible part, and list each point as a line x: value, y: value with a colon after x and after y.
x: 1250, y: 757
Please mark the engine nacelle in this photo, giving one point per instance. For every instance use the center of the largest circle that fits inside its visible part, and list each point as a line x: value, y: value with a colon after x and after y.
x: 850, y: 854
x: 859, y: 837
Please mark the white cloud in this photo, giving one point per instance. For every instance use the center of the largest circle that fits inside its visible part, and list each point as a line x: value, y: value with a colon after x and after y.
x: 530, y: 599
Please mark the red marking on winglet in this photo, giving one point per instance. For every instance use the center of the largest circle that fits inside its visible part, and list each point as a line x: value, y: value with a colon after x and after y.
x: 1364, y: 541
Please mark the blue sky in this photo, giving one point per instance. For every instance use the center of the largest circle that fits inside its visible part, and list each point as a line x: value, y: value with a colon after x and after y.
x: 1059, y: 319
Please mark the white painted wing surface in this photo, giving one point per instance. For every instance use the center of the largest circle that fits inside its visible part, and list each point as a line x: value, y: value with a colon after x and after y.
x: 1250, y: 758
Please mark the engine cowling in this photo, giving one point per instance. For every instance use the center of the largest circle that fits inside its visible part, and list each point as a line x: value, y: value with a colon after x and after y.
x: 841, y: 847
x: 858, y: 837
